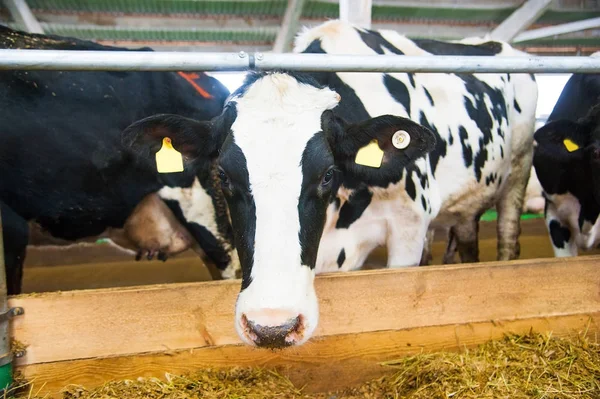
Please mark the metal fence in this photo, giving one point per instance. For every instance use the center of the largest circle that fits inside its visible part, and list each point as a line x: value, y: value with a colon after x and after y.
x: 72, y: 60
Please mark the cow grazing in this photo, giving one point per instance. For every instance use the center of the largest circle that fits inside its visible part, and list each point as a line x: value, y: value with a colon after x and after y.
x: 310, y: 162
x: 63, y: 166
x: 567, y: 164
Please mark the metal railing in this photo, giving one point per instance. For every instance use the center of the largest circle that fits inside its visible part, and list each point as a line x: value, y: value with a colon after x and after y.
x: 75, y: 60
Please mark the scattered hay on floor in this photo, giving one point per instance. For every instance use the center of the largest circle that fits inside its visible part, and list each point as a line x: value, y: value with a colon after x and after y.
x: 518, y: 366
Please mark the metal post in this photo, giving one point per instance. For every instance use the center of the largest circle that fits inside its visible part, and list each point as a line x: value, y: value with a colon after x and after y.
x: 68, y: 60
x: 5, y: 350
x: 557, y: 29
x: 520, y: 19
x: 289, y: 26
x: 21, y: 13
x: 357, y: 12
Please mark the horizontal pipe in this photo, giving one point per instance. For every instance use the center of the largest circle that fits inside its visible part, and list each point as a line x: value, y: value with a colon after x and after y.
x: 63, y: 60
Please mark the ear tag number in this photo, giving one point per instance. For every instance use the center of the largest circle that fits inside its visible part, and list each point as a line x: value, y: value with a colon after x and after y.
x: 168, y: 159
x: 370, y: 155
x: 401, y: 139
x: 570, y: 145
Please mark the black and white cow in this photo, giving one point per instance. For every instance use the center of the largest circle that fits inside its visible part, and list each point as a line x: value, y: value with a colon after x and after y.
x: 287, y: 145
x: 61, y: 161
x: 567, y: 164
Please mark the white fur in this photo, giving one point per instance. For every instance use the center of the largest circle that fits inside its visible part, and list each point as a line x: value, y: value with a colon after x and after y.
x: 197, y: 207
x: 275, y: 119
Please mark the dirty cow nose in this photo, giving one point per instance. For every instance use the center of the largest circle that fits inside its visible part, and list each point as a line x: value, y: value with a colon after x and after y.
x: 272, y: 328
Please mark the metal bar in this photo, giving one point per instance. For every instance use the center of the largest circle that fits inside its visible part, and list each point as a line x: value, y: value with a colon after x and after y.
x: 72, y: 60
x: 68, y: 60
x: 5, y: 354
x: 21, y: 13
x: 520, y: 19
x: 357, y: 12
x: 289, y: 26
x: 557, y: 30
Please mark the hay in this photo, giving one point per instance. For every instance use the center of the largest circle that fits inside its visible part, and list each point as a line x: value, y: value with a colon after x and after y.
x: 518, y: 366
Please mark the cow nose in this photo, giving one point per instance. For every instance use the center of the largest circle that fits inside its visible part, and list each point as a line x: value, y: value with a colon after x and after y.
x: 273, y: 328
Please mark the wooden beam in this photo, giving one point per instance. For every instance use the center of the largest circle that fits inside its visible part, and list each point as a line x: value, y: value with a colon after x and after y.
x: 519, y: 20
x: 557, y: 30
x: 115, y: 322
x: 357, y: 12
x: 326, y: 364
x: 289, y: 26
x: 22, y: 14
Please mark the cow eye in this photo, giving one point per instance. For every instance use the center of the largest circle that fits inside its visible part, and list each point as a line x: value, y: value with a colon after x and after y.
x: 327, y: 178
x: 224, y: 179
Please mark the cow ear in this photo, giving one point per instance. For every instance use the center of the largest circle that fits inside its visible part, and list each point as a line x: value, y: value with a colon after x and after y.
x: 376, y: 151
x: 561, y: 141
x: 191, y: 138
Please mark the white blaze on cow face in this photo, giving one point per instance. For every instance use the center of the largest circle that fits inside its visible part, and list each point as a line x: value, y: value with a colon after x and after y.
x: 276, y: 117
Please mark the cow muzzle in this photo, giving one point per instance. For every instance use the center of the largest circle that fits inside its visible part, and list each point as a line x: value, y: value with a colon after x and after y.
x: 273, y: 328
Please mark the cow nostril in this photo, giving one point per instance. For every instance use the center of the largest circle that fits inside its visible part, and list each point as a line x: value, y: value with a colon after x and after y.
x: 278, y: 336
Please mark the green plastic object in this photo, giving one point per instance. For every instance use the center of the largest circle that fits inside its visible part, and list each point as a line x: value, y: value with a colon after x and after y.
x: 6, y: 377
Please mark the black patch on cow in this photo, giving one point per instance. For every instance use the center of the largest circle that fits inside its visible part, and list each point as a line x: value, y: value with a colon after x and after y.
x: 341, y: 258
x: 450, y: 139
x: 440, y: 144
x: 429, y: 96
x: 317, y: 159
x: 423, y: 202
x: 500, y: 181
x: 354, y: 207
x: 445, y: 48
x: 517, y: 107
x: 241, y: 205
x: 350, y: 100
x: 376, y: 42
x: 422, y: 179
x: 411, y: 190
x: 560, y: 235
x: 398, y: 91
x: 479, y: 113
x: 502, y: 152
x: 491, y: 179
x: 466, y: 147
x: 411, y: 79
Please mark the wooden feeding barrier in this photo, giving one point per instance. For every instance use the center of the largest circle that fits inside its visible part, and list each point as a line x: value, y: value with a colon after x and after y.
x: 89, y: 337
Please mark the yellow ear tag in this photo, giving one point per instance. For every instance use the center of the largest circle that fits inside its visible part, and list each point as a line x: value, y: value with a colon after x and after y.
x: 168, y: 159
x: 571, y: 146
x: 370, y: 155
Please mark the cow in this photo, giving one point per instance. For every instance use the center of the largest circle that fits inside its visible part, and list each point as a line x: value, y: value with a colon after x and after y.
x: 567, y: 164
x: 63, y: 167
x: 306, y: 158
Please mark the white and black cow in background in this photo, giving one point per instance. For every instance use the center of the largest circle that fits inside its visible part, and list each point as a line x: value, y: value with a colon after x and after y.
x: 62, y: 166
x: 286, y: 145
x: 567, y: 164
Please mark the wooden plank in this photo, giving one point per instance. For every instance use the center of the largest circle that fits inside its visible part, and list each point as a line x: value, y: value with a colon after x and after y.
x: 327, y: 363
x: 114, y: 274
x: 111, y: 322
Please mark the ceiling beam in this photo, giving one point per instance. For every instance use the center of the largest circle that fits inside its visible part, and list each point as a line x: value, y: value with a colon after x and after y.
x: 558, y: 30
x: 357, y: 12
x: 289, y: 26
x: 21, y: 13
x: 520, y: 19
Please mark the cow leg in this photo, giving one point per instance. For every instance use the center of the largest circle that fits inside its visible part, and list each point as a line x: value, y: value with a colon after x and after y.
x: 466, y: 237
x: 15, y: 233
x: 427, y: 256
x: 451, y: 247
x: 510, y: 206
x: 561, y: 237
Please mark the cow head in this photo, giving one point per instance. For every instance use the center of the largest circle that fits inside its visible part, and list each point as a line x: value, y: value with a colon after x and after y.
x: 567, y: 156
x: 281, y: 153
